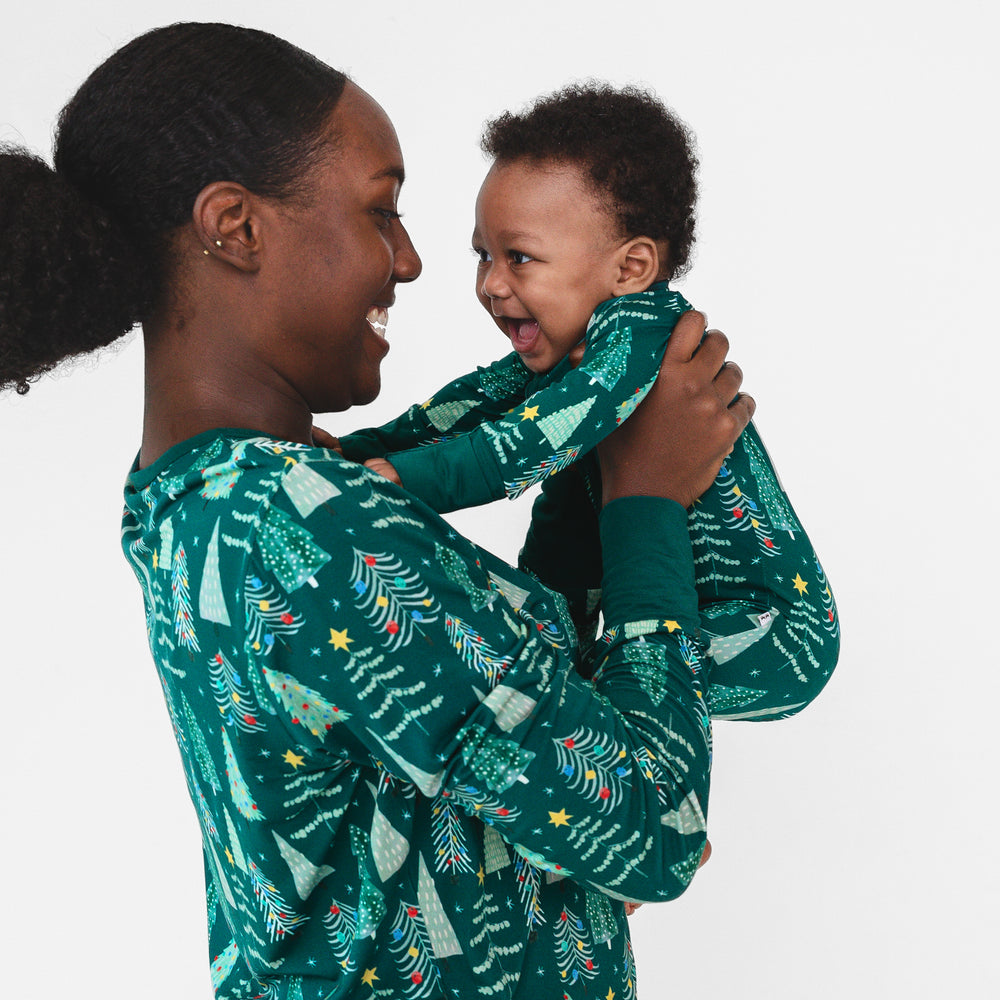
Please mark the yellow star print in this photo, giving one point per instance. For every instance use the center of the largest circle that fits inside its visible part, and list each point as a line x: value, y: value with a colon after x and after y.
x: 293, y: 758
x: 369, y: 977
x: 529, y: 413
x: 610, y: 994
x: 481, y: 875
x: 671, y: 626
x: 560, y: 818
x: 799, y: 584
x: 339, y: 639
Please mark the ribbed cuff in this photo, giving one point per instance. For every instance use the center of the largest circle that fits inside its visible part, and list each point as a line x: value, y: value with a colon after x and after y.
x: 648, y: 564
x: 446, y: 476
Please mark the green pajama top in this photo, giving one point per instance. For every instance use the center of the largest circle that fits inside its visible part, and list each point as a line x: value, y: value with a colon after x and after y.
x: 405, y: 787
x: 768, y: 616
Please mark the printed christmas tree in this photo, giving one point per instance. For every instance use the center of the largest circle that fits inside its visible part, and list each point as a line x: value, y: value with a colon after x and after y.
x: 446, y: 415
x: 504, y: 378
x: 457, y: 571
x: 558, y: 427
x: 181, y: 602
x: 497, y: 762
x: 238, y: 788
x: 475, y: 651
x: 574, y: 951
x: 768, y: 486
x: 394, y: 599
x: 235, y: 700
x: 410, y: 946
x: 608, y: 365
x: 341, y: 924
x: 305, y: 706
x: 306, y: 488
x: 267, y: 615
x: 280, y: 920
x: 289, y: 551
x: 211, y: 599
x: 593, y: 766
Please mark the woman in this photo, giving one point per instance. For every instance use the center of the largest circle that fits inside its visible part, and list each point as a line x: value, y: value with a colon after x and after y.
x: 404, y: 786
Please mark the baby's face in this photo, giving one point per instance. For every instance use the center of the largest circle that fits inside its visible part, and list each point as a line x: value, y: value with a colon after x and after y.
x: 548, y: 254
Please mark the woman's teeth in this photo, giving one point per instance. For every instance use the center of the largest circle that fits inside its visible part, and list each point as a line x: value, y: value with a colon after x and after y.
x: 378, y: 318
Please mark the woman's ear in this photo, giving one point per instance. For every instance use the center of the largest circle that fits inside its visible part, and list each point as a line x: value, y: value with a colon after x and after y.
x: 228, y: 225
x: 638, y: 265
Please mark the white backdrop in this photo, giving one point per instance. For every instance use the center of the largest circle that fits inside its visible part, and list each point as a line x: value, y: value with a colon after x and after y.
x: 847, y: 244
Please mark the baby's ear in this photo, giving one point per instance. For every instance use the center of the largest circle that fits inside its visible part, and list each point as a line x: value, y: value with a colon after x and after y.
x: 638, y: 265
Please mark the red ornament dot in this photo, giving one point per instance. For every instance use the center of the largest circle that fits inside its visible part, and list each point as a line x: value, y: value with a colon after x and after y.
x: 369, y: 560
x: 305, y: 705
x: 218, y: 657
x: 411, y: 911
x: 605, y: 793
x: 737, y: 512
x: 503, y: 812
x: 335, y: 909
x: 392, y: 628
x: 295, y: 720
x: 590, y: 964
x: 562, y: 916
x: 287, y: 618
x: 829, y: 616
x: 539, y: 626
x: 249, y: 720
x: 769, y: 543
x: 254, y: 806
x: 569, y: 743
x: 417, y: 978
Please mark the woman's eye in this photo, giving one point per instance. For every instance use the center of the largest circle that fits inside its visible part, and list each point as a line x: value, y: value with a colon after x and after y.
x: 516, y: 257
x: 387, y: 215
x: 484, y: 257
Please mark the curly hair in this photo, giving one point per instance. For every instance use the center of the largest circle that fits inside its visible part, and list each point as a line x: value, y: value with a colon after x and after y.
x: 637, y: 155
x: 84, y: 249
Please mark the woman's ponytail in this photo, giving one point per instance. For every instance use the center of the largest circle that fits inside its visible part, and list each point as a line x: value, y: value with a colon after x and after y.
x: 69, y: 280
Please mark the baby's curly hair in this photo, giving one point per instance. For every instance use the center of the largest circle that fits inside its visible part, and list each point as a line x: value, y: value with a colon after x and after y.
x: 637, y: 154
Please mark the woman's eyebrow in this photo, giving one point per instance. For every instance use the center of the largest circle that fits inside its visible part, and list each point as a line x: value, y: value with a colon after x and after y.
x: 394, y: 170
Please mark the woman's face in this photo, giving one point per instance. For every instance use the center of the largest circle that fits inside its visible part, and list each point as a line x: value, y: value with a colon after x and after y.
x: 337, y: 256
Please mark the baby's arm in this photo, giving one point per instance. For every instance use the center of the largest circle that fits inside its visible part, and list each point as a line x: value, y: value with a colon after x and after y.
x: 484, y: 394
x: 553, y: 427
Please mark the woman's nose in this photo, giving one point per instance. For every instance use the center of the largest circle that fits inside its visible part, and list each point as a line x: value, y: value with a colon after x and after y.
x: 407, y: 264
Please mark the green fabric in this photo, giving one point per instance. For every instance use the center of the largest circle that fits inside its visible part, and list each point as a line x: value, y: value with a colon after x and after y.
x: 768, y: 616
x: 404, y: 786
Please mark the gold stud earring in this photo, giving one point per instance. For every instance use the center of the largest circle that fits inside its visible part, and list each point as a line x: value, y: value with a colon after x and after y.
x: 205, y: 252
x: 218, y: 243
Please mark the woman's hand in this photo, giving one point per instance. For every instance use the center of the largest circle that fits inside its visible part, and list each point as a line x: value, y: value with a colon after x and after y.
x: 678, y: 437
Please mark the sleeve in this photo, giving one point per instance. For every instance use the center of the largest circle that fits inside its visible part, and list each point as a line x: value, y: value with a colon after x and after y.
x: 421, y: 651
x: 564, y: 419
x: 485, y: 394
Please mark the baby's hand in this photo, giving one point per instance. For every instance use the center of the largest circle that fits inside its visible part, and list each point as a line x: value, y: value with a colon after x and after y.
x: 324, y: 439
x: 630, y: 908
x: 384, y: 468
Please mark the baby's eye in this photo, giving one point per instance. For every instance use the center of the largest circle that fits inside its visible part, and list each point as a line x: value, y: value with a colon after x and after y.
x: 484, y: 257
x: 516, y: 257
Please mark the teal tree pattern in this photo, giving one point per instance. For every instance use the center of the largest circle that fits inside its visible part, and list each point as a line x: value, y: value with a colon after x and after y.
x: 394, y: 599
x: 268, y: 615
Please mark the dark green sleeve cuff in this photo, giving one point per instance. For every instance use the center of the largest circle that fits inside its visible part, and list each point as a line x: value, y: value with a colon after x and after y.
x: 449, y: 475
x: 648, y: 565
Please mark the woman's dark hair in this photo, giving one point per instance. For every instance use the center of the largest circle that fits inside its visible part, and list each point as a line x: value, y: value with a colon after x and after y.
x: 637, y: 154
x: 83, y: 249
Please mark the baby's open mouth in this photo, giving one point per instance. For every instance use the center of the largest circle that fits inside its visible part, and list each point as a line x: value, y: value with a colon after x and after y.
x: 522, y: 332
x: 378, y: 318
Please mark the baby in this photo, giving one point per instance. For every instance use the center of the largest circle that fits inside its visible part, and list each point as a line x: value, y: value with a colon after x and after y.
x: 585, y: 215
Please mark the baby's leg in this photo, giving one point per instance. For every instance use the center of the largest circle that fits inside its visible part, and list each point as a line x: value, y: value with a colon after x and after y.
x: 769, y: 621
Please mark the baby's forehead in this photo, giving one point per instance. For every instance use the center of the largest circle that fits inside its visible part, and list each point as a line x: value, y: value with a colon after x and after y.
x: 542, y: 191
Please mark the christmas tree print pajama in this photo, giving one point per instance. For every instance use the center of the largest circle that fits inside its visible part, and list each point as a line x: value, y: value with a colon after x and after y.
x: 405, y: 787
x: 768, y: 617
